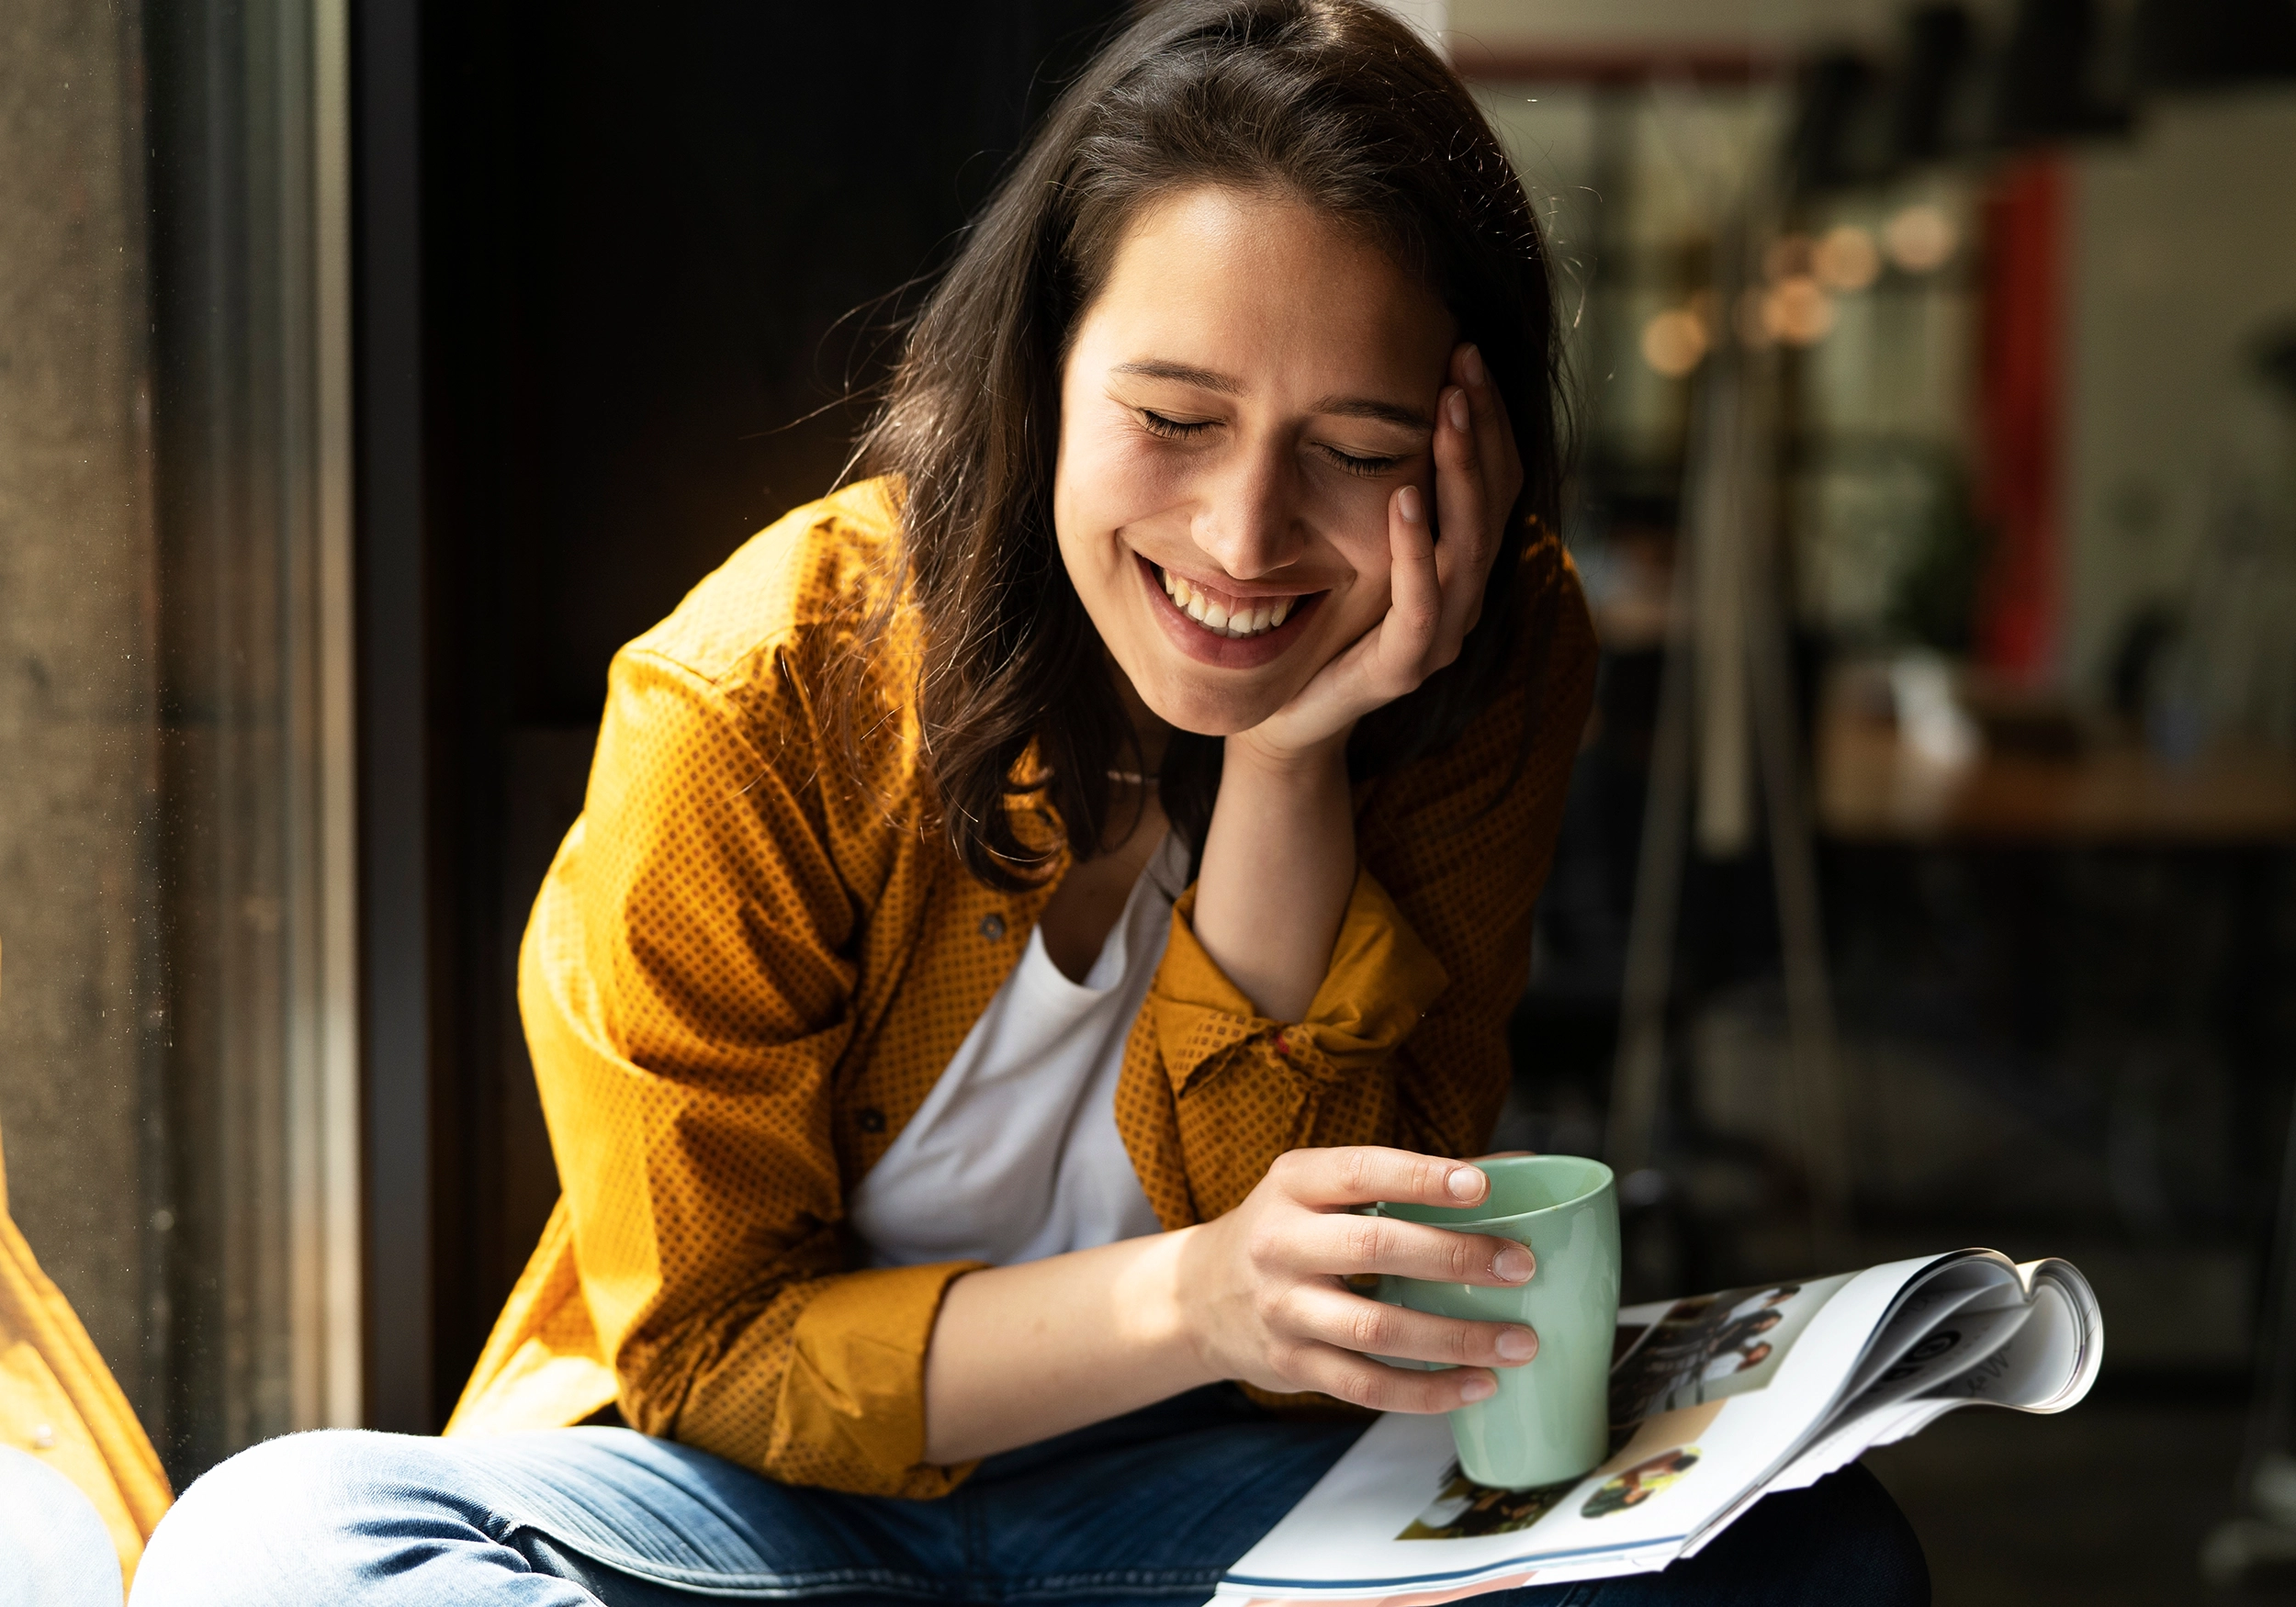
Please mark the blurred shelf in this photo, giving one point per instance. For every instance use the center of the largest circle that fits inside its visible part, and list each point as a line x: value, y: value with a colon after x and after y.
x: 1874, y: 787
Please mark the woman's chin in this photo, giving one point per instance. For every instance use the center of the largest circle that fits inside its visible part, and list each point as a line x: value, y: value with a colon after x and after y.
x: 1206, y: 712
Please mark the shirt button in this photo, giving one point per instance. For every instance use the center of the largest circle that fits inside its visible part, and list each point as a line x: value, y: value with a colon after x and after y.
x: 873, y: 1121
x: 992, y: 926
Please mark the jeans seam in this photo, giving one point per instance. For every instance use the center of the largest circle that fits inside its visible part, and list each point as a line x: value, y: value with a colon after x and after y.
x: 808, y: 1582
x: 1137, y: 1581
x: 894, y: 1581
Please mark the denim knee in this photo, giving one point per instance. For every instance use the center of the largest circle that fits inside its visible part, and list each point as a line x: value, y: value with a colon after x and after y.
x: 253, y: 1526
x: 336, y: 1514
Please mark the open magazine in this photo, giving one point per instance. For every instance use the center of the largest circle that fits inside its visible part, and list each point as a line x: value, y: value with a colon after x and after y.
x: 1715, y: 1401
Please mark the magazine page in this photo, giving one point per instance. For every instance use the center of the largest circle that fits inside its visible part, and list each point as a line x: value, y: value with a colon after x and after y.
x: 1928, y: 1300
x: 1709, y: 1347
x: 2039, y: 1351
x: 1710, y: 1396
x: 2052, y: 1361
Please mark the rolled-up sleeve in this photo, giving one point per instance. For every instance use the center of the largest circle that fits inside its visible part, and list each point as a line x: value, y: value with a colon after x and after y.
x: 687, y: 989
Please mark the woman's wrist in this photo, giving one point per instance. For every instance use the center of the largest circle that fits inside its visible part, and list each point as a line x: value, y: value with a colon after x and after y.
x: 1022, y: 1352
x: 1280, y: 861
x: 1161, y: 1324
x: 1314, y: 763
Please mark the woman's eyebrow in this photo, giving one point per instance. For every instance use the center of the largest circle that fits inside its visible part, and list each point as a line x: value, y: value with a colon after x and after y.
x: 1365, y: 407
x: 1344, y: 407
x: 1202, y: 378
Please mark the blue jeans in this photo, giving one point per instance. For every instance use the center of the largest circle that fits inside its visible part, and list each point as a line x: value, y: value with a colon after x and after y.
x: 1147, y: 1509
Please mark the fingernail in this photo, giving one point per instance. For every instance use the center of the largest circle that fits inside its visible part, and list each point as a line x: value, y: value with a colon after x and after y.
x: 1514, y: 1263
x: 1471, y: 365
x: 1481, y: 1387
x: 1407, y: 503
x: 1455, y: 407
x: 1464, y: 1183
x: 1517, y: 1344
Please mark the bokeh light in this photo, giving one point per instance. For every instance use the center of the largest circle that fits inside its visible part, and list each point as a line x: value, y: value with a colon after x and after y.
x: 1798, y: 311
x: 1846, y: 258
x: 1674, y: 342
x: 1920, y: 239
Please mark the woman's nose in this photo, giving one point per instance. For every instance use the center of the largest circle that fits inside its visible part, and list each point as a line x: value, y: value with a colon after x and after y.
x: 1249, y: 520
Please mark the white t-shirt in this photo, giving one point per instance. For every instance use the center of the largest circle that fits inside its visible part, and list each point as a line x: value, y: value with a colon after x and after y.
x: 1015, y: 1156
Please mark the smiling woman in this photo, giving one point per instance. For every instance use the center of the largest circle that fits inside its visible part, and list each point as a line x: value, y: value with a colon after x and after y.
x: 1026, y: 901
x: 1233, y: 263
x: 1254, y: 465
x: 1248, y: 440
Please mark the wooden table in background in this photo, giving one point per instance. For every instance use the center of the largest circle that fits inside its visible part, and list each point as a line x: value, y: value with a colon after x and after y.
x: 1874, y: 788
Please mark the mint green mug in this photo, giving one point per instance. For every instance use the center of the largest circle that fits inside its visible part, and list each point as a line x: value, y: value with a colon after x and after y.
x: 1550, y: 1420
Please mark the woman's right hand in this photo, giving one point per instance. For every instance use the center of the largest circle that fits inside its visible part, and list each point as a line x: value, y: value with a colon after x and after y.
x: 1264, y: 1298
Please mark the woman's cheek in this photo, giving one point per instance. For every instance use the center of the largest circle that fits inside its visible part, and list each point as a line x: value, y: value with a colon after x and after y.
x: 1364, y: 546
x: 1146, y: 475
x: 1119, y: 479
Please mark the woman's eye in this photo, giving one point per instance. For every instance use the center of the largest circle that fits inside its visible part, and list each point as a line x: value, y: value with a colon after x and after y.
x: 1172, y: 428
x: 1360, y: 465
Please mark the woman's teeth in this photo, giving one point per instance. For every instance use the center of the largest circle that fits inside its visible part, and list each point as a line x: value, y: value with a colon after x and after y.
x: 1214, y: 617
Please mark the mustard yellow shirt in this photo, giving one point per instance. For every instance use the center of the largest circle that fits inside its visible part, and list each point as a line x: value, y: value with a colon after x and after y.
x: 746, y: 968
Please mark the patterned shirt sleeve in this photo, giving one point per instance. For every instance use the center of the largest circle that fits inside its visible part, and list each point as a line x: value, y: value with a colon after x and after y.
x: 687, y: 985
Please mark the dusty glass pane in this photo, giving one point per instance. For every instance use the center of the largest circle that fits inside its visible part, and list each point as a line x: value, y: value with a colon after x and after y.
x: 168, y: 705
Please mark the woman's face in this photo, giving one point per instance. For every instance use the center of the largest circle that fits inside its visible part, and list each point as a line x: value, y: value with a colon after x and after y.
x: 1240, y: 405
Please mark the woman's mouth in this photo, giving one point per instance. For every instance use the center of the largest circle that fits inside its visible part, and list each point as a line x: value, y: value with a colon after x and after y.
x: 1236, y: 618
x: 1224, y: 630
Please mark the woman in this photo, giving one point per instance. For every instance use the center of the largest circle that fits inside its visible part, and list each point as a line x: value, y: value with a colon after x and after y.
x: 1024, y: 901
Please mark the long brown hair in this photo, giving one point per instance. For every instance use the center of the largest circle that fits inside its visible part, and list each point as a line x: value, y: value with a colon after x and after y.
x: 1333, y: 101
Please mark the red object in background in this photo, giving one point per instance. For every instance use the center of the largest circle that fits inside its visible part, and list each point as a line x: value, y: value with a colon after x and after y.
x: 2021, y: 376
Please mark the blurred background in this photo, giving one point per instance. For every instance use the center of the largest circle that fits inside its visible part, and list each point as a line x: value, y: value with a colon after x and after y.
x: 368, y: 372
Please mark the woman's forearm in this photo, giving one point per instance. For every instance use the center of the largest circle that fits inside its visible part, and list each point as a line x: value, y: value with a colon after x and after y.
x: 1279, y: 863
x: 1020, y: 1353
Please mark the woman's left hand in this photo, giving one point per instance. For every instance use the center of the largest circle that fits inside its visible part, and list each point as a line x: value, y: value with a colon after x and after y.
x: 1436, y: 586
